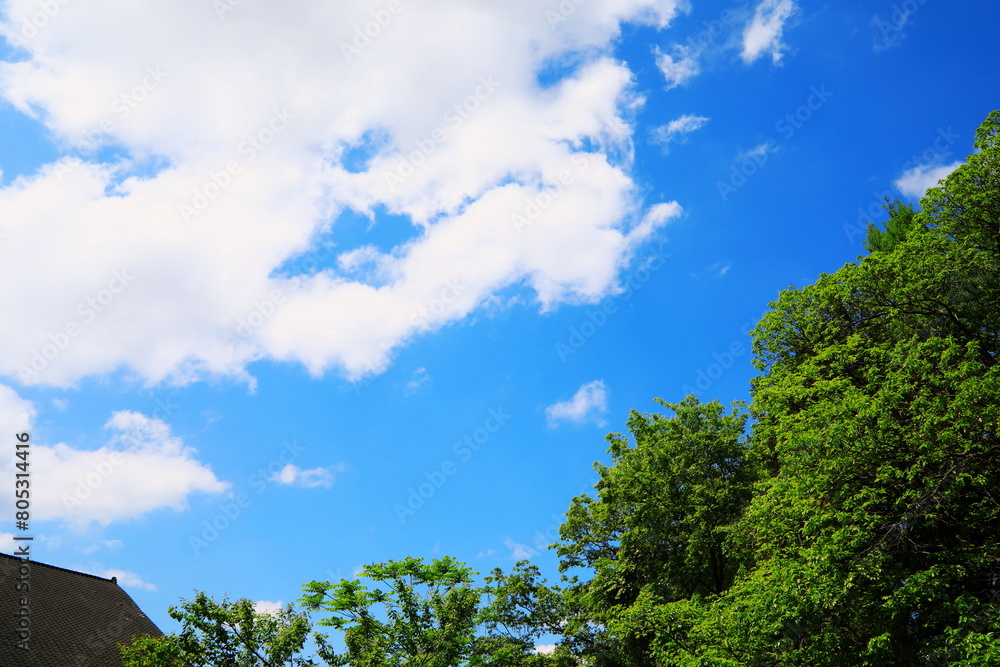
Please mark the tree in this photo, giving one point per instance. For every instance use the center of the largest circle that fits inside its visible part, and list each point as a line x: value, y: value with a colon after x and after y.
x: 874, y: 527
x: 859, y: 524
x: 416, y: 615
x: 432, y: 615
x: 226, y: 634
x: 659, y: 533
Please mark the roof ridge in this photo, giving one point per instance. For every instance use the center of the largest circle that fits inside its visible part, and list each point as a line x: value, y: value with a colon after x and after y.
x: 112, y: 580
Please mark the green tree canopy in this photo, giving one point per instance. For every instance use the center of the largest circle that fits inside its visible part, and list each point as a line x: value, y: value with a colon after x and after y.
x: 224, y: 634
x: 660, y: 529
x: 858, y: 523
x: 415, y: 614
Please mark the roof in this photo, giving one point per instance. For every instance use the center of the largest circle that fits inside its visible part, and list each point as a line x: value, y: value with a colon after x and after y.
x: 76, y: 619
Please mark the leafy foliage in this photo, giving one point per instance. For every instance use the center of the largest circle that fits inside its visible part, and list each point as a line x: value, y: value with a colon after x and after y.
x: 432, y: 615
x: 660, y: 531
x: 860, y: 526
x: 224, y: 634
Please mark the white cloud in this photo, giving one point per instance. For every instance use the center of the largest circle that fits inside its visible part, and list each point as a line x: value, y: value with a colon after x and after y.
x: 680, y: 71
x: 657, y: 216
x: 16, y: 414
x: 545, y: 649
x: 757, y: 152
x: 678, y: 128
x: 292, y: 475
x: 7, y: 542
x: 720, y: 269
x: 142, y: 468
x: 125, y: 578
x: 518, y: 551
x: 265, y: 607
x: 588, y: 403
x: 763, y: 33
x: 915, y: 182
x: 685, y: 124
x: 248, y: 124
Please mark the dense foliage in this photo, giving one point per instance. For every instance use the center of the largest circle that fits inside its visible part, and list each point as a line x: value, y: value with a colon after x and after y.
x: 849, y: 515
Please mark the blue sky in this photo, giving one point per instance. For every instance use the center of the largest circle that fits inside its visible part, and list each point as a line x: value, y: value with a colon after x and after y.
x: 352, y: 297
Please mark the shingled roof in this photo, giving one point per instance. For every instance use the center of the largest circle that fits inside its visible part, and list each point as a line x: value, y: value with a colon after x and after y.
x: 76, y: 618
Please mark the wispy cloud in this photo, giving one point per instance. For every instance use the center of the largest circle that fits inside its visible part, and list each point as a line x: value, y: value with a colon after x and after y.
x: 890, y: 30
x: 292, y: 475
x: 720, y: 269
x: 676, y: 130
x: 419, y: 379
x: 106, y: 544
x: 518, y: 551
x: 759, y: 151
x: 588, y: 404
x: 763, y: 34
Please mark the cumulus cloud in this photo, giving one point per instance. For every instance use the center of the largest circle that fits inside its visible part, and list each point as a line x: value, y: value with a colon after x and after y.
x: 915, y: 182
x: 141, y: 468
x: 244, y: 145
x: 763, y: 34
x: 587, y: 404
x: 292, y: 475
x: 545, y: 649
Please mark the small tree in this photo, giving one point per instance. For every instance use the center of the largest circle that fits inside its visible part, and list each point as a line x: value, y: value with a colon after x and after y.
x: 226, y: 634
x: 432, y: 615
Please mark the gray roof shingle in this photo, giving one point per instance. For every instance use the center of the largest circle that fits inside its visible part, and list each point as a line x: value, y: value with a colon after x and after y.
x: 76, y: 618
